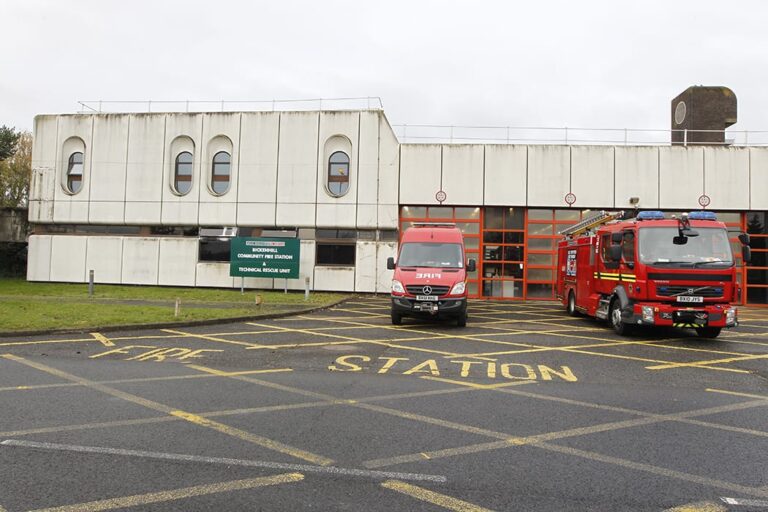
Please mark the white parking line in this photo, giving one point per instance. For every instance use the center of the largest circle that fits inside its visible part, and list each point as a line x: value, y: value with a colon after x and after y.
x: 332, y: 470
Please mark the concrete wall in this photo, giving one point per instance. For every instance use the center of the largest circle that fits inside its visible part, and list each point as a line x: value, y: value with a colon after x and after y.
x: 173, y: 261
x: 599, y: 176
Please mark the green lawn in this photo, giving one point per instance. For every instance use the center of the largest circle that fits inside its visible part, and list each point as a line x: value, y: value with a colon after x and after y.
x: 35, y: 306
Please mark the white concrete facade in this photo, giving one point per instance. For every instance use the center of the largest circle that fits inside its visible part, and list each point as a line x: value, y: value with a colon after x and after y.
x: 278, y: 179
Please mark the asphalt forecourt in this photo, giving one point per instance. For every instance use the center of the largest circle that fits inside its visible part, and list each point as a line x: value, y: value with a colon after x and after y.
x: 526, y: 408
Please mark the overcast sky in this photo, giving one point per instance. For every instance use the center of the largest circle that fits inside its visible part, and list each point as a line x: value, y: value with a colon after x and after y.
x: 535, y: 63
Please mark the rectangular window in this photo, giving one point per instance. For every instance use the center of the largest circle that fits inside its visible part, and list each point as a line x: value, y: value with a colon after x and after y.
x: 335, y: 254
x: 214, y: 249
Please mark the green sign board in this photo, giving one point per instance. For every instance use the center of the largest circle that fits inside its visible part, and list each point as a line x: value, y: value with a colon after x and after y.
x: 265, y: 257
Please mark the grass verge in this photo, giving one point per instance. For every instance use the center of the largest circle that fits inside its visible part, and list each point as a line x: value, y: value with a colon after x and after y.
x: 28, y: 306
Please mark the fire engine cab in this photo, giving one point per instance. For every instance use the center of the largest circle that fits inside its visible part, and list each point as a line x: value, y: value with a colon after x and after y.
x: 651, y: 271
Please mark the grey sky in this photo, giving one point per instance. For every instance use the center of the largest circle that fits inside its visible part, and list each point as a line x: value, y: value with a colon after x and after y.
x: 545, y: 63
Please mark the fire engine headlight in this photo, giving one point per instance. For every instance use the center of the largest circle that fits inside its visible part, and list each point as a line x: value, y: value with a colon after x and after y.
x: 397, y: 286
x: 459, y: 288
x: 730, y: 316
x: 648, y: 314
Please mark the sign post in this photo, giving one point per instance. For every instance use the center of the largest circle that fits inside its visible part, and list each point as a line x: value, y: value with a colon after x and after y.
x: 265, y: 257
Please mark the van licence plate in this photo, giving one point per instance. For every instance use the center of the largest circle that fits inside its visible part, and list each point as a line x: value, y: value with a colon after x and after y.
x: 689, y: 298
x: 427, y: 298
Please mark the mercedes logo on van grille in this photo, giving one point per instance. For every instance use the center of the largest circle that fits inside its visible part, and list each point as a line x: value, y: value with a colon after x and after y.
x: 427, y: 290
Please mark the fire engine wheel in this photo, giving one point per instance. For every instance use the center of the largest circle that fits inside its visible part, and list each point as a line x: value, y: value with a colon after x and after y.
x: 614, y: 315
x: 571, y: 307
x: 708, y: 332
x: 397, y: 318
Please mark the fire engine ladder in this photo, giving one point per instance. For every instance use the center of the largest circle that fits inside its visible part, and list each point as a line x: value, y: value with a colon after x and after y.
x: 591, y: 223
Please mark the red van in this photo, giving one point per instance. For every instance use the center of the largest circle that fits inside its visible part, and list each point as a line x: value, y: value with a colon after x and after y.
x: 430, y: 275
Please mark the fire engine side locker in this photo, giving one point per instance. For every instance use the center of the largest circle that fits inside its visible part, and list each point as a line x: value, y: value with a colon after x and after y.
x: 576, y: 266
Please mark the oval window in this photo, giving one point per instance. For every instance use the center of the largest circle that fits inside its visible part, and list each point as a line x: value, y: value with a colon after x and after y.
x: 75, y: 172
x: 338, y: 174
x: 220, y: 172
x: 182, y: 175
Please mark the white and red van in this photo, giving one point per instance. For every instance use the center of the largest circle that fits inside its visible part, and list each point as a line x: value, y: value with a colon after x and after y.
x: 431, y: 274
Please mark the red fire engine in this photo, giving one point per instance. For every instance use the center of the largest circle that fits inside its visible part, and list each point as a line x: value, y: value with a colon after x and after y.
x: 651, y: 270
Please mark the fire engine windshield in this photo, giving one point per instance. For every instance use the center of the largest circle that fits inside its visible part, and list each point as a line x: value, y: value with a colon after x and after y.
x: 711, y: 248
x: 423, y: 254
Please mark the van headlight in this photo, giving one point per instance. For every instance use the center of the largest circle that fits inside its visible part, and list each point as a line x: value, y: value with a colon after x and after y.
x: 730, y: 316
x: 459, y: 288
x: 397, y: 286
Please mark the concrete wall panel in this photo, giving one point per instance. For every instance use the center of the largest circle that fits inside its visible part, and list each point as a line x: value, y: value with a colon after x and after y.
x: 506, y: 180
x: 44, y: 149
x: 145, y: 181
x: 297, y: 161
x: 389, y: 163
x: 726, y: 177
x: 140, y: 260
x: 637, y: 175
x: 336, y: 215
x: 214, y: 274
x: 306, y: 268
x: 68, y: 259
x: 463, y: 173
x: 592, y: 176
x: 104, y: 257
x: 548, y: 175
x: 366, y: 269
x: 183, y: 132
x: 758, y: 172
x: 256, y: 214
x: 339, y: 131
x: 681, y: 177
x: 366, y: 216
x: 39, y: 258
x: 74, y: 133
x: 388, y: 216
x: 216, y: 213
x: 296, y: 214
x: 368, y: 158
x: 338, y: 279
x: 384, y: 276
x: 108, y: 165
x: 68, y: 211
x: 420, y: 173
x: 178, y: 260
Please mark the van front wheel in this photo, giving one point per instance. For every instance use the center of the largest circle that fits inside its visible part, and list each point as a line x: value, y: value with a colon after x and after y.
x: 461, y: 321
x: 397, y: 319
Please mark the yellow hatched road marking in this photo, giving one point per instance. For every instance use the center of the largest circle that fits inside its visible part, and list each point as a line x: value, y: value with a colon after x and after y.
x: 435, y: 498
x: 736, y: 393
x: 156, y: 406
x: 211, y: 338
x: 177, y: 494
x: 709, y: 362
x: 102, y: 339
x: 699, y: 506
x: 477, y: 386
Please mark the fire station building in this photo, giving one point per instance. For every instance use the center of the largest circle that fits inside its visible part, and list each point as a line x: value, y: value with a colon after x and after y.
x: 154, y: 198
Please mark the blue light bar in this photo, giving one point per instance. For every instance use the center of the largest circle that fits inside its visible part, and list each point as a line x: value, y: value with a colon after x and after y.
x: 702, y: 216
x: 650, y: 215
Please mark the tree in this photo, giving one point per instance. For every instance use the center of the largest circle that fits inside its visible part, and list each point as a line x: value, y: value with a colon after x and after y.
x: 15, y: 173
x: 9, y: 139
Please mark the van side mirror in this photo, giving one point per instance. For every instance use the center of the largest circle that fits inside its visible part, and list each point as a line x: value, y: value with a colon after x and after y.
x: 390, y: 263
x: 680, y: 240
x: 471, y: 266
x: 746, y: 254
x: 744, y: 238
x: 614, y: 252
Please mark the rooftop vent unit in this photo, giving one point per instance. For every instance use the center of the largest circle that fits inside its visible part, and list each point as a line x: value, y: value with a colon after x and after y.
x: 700, y: 115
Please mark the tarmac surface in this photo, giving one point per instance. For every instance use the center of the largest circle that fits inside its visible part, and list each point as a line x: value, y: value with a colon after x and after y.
x: 525, y: 409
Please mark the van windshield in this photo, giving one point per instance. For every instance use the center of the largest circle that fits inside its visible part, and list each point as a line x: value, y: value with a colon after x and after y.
x: 427, y: 254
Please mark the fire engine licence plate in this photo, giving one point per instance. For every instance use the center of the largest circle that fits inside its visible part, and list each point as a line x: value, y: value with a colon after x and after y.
x: 690, y: 298
x: 427, y: 298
